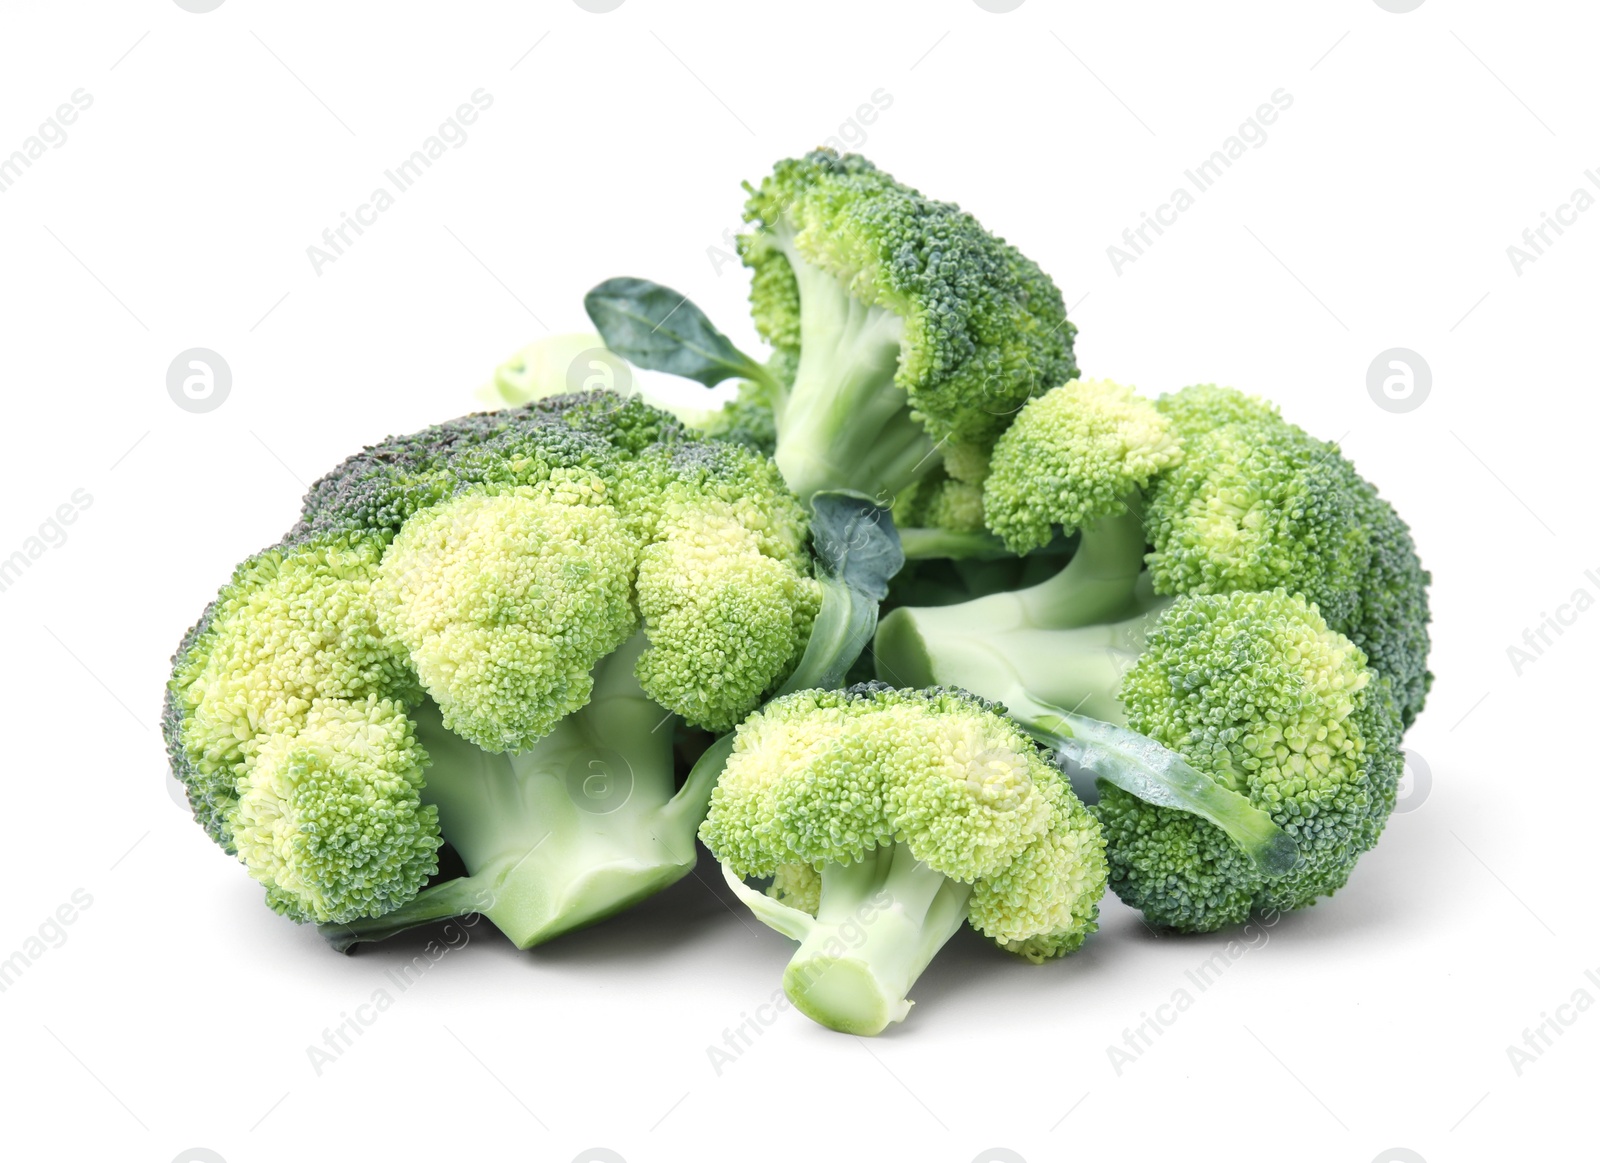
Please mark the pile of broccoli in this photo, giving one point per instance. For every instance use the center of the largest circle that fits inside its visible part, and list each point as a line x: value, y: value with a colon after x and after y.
x: 917, y: 630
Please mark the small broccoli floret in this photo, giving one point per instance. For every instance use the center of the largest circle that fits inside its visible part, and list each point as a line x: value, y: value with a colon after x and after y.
x: 1258, y: 504
x: 914, y: 334
x: 506, y: 601
x: 1222, y: 499
x: 540, y: 591
x: 295, y: 624
x: 330, y: 818
x: 1075, y: 455
x: 886, y: 819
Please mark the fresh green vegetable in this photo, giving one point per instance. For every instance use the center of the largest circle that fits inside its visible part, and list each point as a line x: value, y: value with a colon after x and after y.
x: 481, y: 635
x: 887, y: 819
x: 905, y: 336
x: 1239, y: 597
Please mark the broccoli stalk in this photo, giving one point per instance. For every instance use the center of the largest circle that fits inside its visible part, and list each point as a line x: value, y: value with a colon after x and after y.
x: 879, y: 922
x: 580, y: 826
x: 1063, y: 643
x: 844, y: 425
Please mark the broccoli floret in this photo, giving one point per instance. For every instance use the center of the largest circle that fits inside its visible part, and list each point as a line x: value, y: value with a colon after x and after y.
x: 1246, y: 525
x: 330, y: 818
x: 1255, y: 691
x: 914, y: 334
x: 518, y: 604
x: 888, y: 818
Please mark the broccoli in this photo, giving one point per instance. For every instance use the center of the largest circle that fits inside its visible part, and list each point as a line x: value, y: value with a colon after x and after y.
x: 885, y: 819
x: 913, y: 333
x: 1234, y: 647
x: 905, y: 336
x: 479, y: 635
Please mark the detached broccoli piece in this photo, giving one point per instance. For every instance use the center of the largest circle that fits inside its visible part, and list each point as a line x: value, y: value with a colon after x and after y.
x: 519, y: 604
x: 1270, y: 542
x: 887, y: 819
x: 914, y: 334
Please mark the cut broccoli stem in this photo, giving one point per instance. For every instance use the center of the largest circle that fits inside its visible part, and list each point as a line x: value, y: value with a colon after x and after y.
x: 879, y: 923
x: 566, y: 834
x: 845, y: 424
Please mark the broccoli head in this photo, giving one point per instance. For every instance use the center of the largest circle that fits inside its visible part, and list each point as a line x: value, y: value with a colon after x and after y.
x: 1205, y: 496
x: 888, y: 818
x: 477, y: 635
x: 914, y: 335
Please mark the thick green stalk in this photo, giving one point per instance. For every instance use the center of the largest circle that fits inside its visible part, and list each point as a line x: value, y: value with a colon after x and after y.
x: 1067, y: 641
x: 879, y: 923
x: 845, y: 424
x: 566, y: 834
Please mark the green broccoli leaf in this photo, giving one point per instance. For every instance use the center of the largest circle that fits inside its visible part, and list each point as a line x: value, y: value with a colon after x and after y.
x: 1158, y: 775
x: 656, y: 327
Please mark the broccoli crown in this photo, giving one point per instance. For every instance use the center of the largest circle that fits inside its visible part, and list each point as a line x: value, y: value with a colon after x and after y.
x: 984, y: 327
x: 1256, y: 691
x: 823, y: 778
x: 489, y: 564
x: 1257, y: 504
x: 379, y: 488
x: 1075, y: 454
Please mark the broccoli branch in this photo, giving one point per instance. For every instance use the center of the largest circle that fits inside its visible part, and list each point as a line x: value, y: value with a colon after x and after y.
x: 878, y: 925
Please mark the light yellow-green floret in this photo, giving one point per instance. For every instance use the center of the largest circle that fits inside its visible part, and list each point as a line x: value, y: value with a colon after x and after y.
x: 1075, y: 454
x: 329, y: 817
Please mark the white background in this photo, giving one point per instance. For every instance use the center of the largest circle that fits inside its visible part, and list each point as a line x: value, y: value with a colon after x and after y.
x: 177, y: 1011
